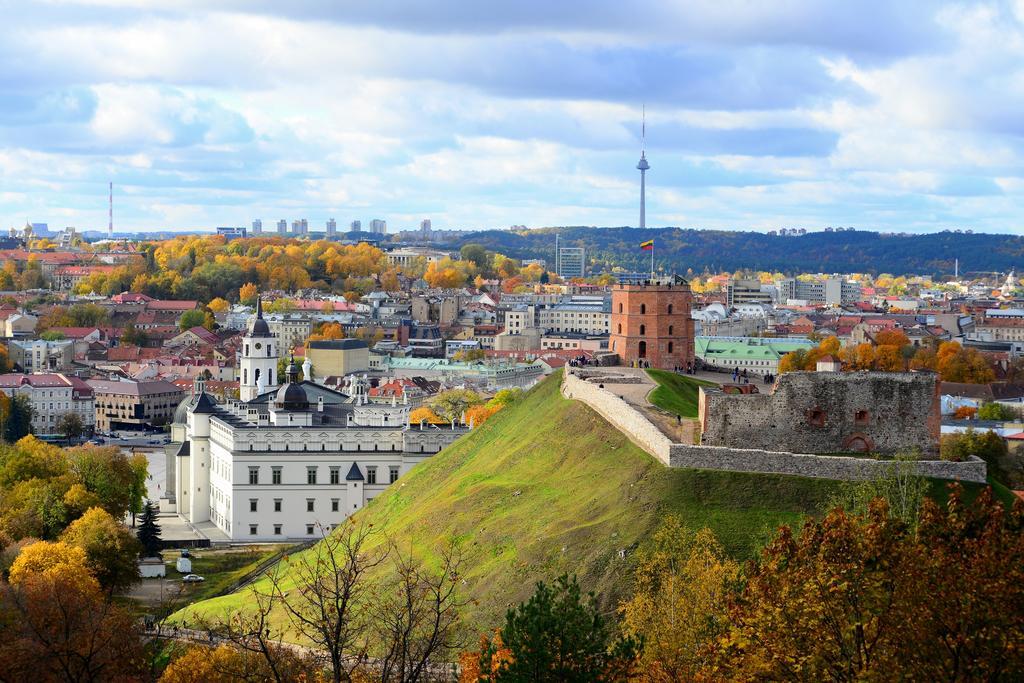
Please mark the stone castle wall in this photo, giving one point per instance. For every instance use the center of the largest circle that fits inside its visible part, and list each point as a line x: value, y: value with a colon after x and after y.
x: 817, y: 466
x: 641, y: 431
x: 828, y: 412
x: 620, y: 414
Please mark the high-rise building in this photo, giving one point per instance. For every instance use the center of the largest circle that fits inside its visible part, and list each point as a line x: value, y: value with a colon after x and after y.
x: 300, y: 226
x: 282, y: 227
x: 257, y: 227
x: 571, y: 262
x: 378, y: 226
x: 356, y: 226
x: 332, y: 228
x: 425, y: 226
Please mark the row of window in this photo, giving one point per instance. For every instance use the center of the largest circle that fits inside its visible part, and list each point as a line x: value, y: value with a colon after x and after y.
x: 643, y: 329
x: 311, y: 474
x: 341, y: 447
x: 643, y: 309
x: 254, y: 529
x: 254, y: 504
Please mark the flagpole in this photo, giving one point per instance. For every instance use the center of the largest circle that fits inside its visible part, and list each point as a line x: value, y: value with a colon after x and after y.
x: 652, y: 260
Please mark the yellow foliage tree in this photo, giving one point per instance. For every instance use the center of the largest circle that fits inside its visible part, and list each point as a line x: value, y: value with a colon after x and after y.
x: 425, y: 414
x: 44, y: 558
x: 247, y: 293
x: 679, y: 604
x: 218, y: 305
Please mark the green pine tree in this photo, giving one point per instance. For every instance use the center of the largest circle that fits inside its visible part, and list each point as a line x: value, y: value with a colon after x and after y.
x: 149, y: 531
x: 558, y: 635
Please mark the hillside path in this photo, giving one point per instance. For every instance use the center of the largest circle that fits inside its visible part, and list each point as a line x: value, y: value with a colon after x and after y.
x: 636, y: 396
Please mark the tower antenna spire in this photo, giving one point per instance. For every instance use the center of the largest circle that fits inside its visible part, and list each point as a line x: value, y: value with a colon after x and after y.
x: 643, y: 129
x: 110, y: 212
x: 642, y: 166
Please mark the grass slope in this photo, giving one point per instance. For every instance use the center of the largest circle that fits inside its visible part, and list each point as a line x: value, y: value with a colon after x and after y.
x: 547, y: 486
x: 676, y: 393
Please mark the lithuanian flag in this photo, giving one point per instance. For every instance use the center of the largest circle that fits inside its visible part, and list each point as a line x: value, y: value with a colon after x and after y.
x: 648, y: 245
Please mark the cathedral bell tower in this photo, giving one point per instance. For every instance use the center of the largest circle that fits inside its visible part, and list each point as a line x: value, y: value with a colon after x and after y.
x: 258, y: 364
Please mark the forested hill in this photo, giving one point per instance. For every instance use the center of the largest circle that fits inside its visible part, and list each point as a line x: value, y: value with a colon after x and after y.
x: 830, y: 252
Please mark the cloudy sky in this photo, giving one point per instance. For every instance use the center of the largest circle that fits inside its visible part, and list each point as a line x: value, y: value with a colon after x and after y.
x: 877, y: 114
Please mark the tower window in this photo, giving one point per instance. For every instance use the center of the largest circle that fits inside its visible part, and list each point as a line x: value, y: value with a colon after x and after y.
x: 643, y: 329
x: 670, y: 330
x: 670, y: 309
x: 643, y: 309
x: 670, y: 347
x: 620, y: 328
x: 620, y: 307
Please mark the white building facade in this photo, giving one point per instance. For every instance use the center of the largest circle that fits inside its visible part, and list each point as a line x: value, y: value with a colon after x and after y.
x: 293, y: 461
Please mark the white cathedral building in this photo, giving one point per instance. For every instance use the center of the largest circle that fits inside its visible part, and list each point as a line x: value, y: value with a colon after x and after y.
x: 288, y: 458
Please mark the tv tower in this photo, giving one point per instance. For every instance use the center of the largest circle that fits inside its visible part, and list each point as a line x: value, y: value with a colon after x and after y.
x: 110, y: 213
x: 642, y: 166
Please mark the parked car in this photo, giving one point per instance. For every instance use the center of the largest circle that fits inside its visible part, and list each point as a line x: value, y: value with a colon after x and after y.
x: 192, y: 578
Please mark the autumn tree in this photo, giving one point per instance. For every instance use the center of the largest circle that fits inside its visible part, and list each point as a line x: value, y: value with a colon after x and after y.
x: 678, y: 607
x: 864, y: 597
x: 110, y: 548
x: 425, y: 414
x: 451, y: 404
x: 55, y: 623
x: 227, y: 664
x: 218, y: 305
x: 559, y: 635
x: 247, y: 294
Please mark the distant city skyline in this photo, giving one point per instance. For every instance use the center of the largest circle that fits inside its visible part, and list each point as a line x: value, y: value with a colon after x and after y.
x: 885, y: 116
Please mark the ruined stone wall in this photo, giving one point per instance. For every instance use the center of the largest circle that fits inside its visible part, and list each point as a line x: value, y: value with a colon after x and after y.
x: 829, y: 412
x: 620, y: 414
x: 818, y: 466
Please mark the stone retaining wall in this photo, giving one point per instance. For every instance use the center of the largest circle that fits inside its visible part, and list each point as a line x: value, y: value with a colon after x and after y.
x: 818, y: 466
x: 623, y: 416
x: 642, y: 432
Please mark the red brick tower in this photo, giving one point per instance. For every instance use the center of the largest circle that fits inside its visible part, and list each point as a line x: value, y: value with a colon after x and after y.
x: 651, y: 321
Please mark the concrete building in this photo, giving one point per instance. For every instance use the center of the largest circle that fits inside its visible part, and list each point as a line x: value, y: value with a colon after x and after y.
x: 1005, y: 324
x: 40, y: 355
x: 332, y: 229
x: 338, y: 357
x: 577, y: 314
x: 257, y: 227
x: 20, y: 325
x: 295, y: 462
x: 134, y: 405
x: 282, y: 227
x: 52, y: 397
x: 651, y: 322
x: 300, y: 226
x: 378, y: 226
x: 356, y: 226
x: 742, y: 291
x: 232, y: 233
x: 831, y: 291
x: 571, y: 262
x: 291, y: 329
x: 408, y: 255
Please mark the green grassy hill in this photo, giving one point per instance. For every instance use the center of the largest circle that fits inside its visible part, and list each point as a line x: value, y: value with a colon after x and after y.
x: 547, y: 486
x: 676, y: 393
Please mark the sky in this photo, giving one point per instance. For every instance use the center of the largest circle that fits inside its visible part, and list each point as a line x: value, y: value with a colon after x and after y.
x: 894, y: 116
